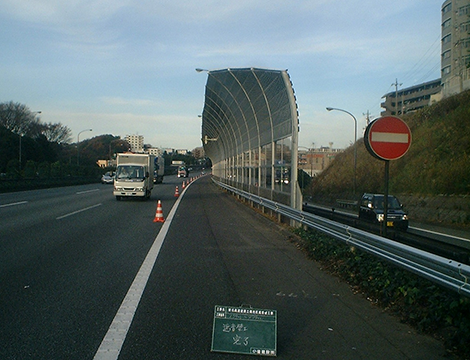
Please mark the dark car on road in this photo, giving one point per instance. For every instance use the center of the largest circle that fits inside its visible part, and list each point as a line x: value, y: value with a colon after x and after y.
x: 371, y: 208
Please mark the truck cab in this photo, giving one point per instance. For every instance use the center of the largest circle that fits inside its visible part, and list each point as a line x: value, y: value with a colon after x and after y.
x: 134, y: 176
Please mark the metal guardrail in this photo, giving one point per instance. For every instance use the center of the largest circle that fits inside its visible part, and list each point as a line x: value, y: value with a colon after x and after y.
x: 445, y: 272
x: 346, y: 203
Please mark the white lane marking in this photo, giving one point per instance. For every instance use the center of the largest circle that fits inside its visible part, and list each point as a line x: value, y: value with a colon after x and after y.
x: 86, y: 191
x: 78, y: 211
x: 14, y: 204
x: 114, y: 339
x: 439, y: 233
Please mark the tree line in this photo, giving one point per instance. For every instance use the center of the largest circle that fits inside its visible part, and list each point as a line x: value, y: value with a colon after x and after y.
x: 31, y: 148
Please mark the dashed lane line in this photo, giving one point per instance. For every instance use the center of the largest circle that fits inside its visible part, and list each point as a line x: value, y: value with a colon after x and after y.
x: 78, y: 211
x: 86, y: 191
x: 13, y: 204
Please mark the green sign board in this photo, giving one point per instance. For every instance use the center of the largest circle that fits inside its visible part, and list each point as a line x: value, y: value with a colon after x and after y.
x: 244, y: 330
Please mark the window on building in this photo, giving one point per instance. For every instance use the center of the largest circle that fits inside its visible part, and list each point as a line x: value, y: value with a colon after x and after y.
x: 466, y: 61
x: 447, y: 8
x: 464, y: 10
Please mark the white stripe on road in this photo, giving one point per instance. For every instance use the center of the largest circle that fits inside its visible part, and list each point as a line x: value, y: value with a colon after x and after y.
x: 86, y: 191
x: 389, y: 137
x: 13, y: 204
x: 78, y: 211
x: 439, y: 233
x: 114, y: 339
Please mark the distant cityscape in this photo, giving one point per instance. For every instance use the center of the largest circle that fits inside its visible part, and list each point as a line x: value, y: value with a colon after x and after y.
x: 137, y: 145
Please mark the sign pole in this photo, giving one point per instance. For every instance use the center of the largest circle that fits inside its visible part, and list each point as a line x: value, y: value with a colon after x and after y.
x: 386, y: 176
x: 387, y: 138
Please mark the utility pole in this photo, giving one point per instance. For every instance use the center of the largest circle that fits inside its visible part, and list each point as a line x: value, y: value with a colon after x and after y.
x: 396, y: 84
x: 367, y: 115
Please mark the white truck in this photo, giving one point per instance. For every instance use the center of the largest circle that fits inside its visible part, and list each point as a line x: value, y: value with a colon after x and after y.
x: 134, y: 175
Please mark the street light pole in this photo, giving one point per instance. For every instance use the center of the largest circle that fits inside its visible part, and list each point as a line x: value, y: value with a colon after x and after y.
x: 78, y: 142
x: 355, y: 143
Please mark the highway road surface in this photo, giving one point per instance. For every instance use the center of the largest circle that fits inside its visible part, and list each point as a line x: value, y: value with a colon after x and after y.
x: 84, y: 276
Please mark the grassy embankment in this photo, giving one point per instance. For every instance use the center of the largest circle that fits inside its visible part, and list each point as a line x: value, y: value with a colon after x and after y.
x: 438, y: 161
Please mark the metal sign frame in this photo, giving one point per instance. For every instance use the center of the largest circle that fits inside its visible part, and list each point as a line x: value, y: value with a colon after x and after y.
x: 244, y: 330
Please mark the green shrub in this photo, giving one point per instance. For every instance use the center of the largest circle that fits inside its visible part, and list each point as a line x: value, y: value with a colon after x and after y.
x: 417, y: 301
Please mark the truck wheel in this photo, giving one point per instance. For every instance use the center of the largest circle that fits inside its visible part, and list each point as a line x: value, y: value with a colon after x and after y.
x: 118, y: 198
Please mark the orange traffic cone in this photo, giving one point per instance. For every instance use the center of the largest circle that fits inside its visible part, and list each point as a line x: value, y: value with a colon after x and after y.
x: 159, y: 213
x: 177, y: 192
x: 182, y: 187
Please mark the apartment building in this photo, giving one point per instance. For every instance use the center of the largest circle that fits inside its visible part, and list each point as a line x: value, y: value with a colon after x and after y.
x: 155, y: 151
x: 136, y: 142
x: 314, y: 161
x: 455, y: 46
x: 410, y: 99
x: 455, y: 64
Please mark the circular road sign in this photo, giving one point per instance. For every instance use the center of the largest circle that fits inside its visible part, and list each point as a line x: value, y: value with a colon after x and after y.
x: 387, y: 138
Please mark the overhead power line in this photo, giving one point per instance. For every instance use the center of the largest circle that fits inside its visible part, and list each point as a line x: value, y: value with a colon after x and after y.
x: 413, y: 76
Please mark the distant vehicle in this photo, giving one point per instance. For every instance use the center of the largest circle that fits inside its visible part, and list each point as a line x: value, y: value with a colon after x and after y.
x: 134, y: 175
x: 108, y: 178
x: 183, y: 171
x: 371, y: 208
x: 159, y: 171
x: 282, y: 177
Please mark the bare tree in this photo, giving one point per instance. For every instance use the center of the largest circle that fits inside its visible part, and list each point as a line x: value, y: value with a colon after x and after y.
x: 19, y: 119
x: 57, y: 133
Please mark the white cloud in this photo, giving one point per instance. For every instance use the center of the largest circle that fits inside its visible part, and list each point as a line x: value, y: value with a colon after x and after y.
x: 128, y: 102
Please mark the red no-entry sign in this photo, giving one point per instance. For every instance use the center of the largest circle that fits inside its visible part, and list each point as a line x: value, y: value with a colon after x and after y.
x: 387, y: 138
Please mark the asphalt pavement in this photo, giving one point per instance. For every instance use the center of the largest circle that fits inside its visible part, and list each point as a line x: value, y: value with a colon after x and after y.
x: 218, y: 251
x: 69, y: 256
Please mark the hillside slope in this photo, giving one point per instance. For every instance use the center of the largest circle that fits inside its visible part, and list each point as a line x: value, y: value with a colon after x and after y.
x: 436, y: 166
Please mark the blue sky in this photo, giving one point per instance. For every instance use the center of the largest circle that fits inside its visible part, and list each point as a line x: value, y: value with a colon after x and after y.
x: 128, y: 66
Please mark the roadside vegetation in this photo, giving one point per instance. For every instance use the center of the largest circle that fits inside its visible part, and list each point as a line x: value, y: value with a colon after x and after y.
x: 431, y: 309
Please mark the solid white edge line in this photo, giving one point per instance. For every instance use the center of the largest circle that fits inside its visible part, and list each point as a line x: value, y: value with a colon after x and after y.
x: 78, y: 211
x: 114, y: 339
x: 438, y: 233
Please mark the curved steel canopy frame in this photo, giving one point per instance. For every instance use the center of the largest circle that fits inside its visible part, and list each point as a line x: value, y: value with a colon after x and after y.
x: 250, y: 131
